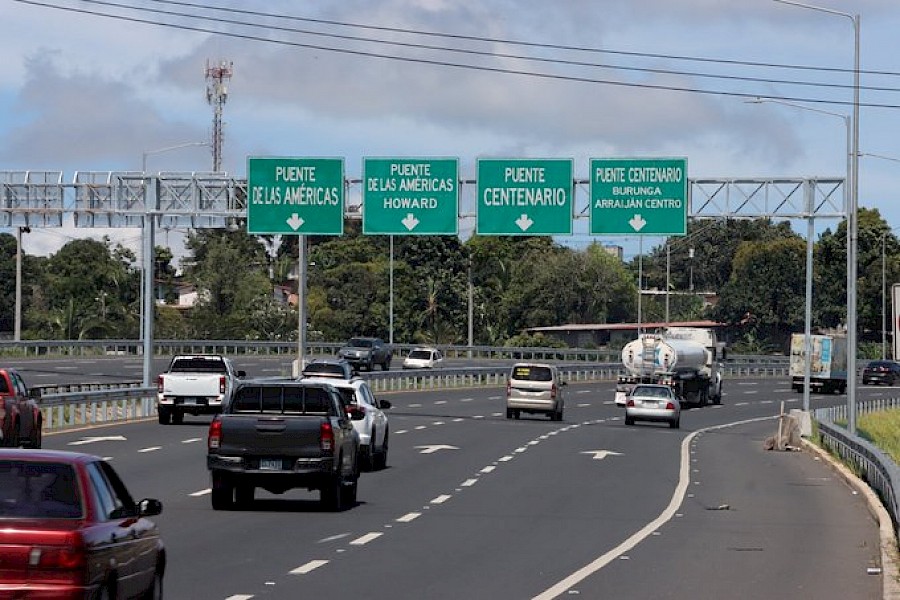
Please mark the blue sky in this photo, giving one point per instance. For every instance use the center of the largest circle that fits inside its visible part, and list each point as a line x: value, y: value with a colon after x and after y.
x: 79, y: 92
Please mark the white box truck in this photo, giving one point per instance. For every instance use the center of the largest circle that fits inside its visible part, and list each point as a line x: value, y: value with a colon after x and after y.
x: 828, y: 367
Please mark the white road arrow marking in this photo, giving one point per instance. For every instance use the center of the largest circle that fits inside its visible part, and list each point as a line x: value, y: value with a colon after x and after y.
x: 434, y: 448
x: 295, y: 222
x: 410, y: 221
x: 601, y: 454
x: 637, y: 222
x: 524, y: 222
x: 91, y: 440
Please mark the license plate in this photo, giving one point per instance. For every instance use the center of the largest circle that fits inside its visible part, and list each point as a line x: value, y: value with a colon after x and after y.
x: 650, y: 403
x: 190, y: 401
x: 270, y: 464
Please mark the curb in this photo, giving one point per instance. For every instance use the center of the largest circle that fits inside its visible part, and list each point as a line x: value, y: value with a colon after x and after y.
x: 890, y: 561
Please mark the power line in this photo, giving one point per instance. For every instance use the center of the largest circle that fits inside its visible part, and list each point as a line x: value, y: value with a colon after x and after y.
x: 482, y: 53
x: 442, y: 63
x: 524, y: 43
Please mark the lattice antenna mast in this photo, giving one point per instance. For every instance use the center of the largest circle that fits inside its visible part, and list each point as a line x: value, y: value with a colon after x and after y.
x: 217, y: 77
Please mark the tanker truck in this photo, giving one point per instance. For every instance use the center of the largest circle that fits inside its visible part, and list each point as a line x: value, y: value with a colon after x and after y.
x: 684, y: 358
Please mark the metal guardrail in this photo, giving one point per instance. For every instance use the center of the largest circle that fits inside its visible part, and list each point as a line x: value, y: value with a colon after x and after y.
x: 80, y: 405
x: 239, y: 347
x: 875, y: 467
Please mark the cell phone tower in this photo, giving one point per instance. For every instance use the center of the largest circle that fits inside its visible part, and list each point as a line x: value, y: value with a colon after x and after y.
x: 217, y: 77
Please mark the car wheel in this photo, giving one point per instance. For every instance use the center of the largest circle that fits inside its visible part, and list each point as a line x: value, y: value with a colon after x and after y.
x: 381, y: 457
x: 675, y: 424
x: 14, y: 435
x: 330, y: 495
x: 517, y: 414
x: 222, y: 493
x: 36, y: 435
x: 106, y: 591
x: 155, y: 591
x: 509, y: 413
x: 367, y: 455
x: 177, y: 417
x: 629, y: 421
x: 244, y: 496
x: 348, y: 493
x: 165, y: 415
x: 386, y: 365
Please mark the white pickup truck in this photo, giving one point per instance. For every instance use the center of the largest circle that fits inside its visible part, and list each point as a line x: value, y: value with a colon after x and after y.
x: 194, y: 384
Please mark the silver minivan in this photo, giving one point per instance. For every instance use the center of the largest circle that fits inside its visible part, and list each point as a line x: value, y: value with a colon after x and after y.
x: 535, y: 388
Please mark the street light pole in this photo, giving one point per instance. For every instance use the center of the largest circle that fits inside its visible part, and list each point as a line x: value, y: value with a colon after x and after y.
x: 852, y: 224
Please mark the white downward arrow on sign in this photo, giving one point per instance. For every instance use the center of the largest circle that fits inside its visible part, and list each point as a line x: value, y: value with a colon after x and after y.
x: 410, y: 222
x: 91, y: 440
x: 295, y: 222
x: 524, y: 222
x: 637, y: 222
x: 601, y: 454
x: 434, y: 448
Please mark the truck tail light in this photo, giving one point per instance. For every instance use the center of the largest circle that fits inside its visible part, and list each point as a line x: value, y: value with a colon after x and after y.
x: 553, y: 392
x: 214, y: 440
x: 356, y: 412
x: 159, y: 384
x: 508, y: 389
x: 326, y: 438
x: 221, y: 384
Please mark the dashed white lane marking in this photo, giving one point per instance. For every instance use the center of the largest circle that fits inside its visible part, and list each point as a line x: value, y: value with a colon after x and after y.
x: 520, y: 450
x: 150, y: 449
x: 441, y: 402
x: 494, y: 397
x: 506, y: 458
x: 583, y: 404
x: 469, y: 482
x: 467, y: 399
x: 585, y: 392
x: 496, y: 414
x: 107, y: 458
x: 200, y: 493
x: 365, y: 539
x: 399, y: 432
x: 334, y: 538
x: 752, y: 392
x: 741, y: 403
x: 415, y: 405
x: 746, y: 383
x: 488, y: 469
x: 767, y: 402
x: 240, y: 597
x: 191, y: 440
x: 441, y: 499
x: 478, y: 417
x: 409, y: 517
x: 458, y: 420
x: 534, y: 442
x: 310, y: 566
x: 438, y: 423
x: 420, y: 426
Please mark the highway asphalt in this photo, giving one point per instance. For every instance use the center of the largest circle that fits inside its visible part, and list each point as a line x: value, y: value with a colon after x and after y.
x: 473, y: 505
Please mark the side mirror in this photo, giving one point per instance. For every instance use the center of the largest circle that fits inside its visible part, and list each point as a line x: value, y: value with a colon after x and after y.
x: 384, y: 404
x: 242, y: 373
x: 149, y: 507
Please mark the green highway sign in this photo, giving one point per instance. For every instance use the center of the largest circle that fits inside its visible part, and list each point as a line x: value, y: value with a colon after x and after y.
x: 303, y: 196
x: 524, y: 196
x: 645, y: 196
x: 410, y: 196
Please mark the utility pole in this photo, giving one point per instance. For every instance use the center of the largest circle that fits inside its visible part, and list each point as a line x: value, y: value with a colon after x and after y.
x: 217, y: 77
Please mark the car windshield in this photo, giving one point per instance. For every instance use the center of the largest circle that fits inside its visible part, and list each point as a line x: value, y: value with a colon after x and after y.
x: 420, y: 354
x: 38, y: 490
x: 532, y: 373
x: 360, y: 343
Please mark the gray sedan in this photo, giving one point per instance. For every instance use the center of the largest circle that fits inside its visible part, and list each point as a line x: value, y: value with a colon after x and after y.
x: 653, y: 403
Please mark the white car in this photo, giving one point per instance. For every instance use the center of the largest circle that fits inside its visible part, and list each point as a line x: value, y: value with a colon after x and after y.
x: 368, y: 418
x: 423, y: 358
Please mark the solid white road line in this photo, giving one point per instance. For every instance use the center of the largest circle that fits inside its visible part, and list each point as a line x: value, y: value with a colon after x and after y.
x: 678, y: 495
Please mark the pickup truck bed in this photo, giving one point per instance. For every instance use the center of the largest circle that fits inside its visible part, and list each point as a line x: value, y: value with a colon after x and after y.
x: 281, y: 435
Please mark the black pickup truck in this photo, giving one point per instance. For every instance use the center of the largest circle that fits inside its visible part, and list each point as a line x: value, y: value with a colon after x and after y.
x: 280, y: 435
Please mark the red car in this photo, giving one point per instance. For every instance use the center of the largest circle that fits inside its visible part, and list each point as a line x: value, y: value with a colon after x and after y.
x: 20, y: 415
x: 70, y: 529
